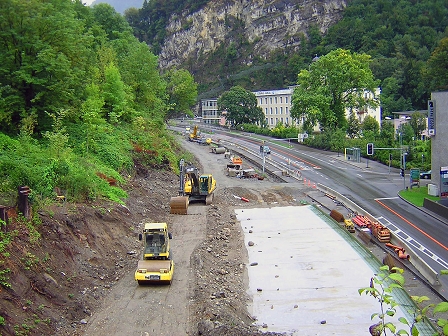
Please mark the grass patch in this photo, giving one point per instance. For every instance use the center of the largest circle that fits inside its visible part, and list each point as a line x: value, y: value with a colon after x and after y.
x: 416, y: 196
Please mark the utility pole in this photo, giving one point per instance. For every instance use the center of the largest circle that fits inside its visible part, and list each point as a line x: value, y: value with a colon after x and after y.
x: 403, y: 159
x: 263, y: 154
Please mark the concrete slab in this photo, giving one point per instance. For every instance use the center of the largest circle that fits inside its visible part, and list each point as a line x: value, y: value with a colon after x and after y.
x: 307, y: 275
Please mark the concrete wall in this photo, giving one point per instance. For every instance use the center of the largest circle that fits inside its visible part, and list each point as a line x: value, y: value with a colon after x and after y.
x: 439, y: 142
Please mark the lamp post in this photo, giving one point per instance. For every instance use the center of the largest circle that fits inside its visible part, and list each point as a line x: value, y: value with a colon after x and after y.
x: 403, y: 155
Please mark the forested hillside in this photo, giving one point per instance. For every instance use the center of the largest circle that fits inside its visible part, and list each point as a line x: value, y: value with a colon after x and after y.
x: 80, y: 98
x: 399, y: 35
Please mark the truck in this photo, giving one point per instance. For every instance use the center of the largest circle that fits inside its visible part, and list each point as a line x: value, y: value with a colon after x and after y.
x: 156, y: 264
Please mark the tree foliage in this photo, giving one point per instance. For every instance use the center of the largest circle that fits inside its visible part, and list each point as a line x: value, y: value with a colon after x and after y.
x: 79, y: 96
x: 182, y: 92
x: 334, y: 83
x: 240, y: 107
x: 436, y: 71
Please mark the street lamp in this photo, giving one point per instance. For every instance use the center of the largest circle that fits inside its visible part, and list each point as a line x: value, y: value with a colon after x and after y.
x: 403, y: 155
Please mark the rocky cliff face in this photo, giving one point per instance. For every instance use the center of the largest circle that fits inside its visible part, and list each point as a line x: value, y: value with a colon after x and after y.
x: 267, y: 24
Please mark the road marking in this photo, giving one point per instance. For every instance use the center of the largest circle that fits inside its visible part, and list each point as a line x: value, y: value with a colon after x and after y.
x: 412, y: 242
x: 386, y: 198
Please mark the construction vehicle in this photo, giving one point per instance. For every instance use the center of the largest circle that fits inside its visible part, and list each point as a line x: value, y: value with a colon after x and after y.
x: 156, y: 264
x: 349, y: 226
x: 193, y: 188
x: 195, y: 135
x: 204, y: 141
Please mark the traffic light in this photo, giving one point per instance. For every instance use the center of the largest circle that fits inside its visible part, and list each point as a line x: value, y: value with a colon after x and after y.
x: 370, y: 148
x: 402, y: 172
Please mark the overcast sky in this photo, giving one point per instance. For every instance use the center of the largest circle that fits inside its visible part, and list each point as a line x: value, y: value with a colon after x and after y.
x: 88, y: 2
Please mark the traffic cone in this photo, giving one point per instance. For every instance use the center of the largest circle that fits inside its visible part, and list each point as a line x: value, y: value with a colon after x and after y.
x: 314, y: 185
x: 304, y: 181
x: 309, y: 183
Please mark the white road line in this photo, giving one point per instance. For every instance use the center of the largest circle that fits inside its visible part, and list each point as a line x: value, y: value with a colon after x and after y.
x: 386, y: 198
x: 411, y: 241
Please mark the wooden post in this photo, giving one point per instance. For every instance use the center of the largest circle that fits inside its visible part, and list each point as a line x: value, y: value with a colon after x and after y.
x: 4, y: 213
x: 23, y: 205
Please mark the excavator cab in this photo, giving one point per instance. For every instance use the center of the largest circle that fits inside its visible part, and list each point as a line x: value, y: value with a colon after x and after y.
x: 193, y: 188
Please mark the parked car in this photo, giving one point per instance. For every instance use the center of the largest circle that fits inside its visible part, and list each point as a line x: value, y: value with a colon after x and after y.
x: 425, y: 175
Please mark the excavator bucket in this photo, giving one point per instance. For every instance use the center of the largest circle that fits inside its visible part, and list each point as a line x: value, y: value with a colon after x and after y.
x: 179, y: 205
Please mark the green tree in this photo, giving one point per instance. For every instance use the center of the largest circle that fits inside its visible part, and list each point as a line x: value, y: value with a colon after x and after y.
x: 370, y: 124
x: 337, y: 140
x: 418, y: 123
x: 334, y: 83
x: 182, y: 92
x: 43, y: 48
x: 387, y: 133
x: 114, y: 94
x: 391, y: 99
x: 436, y: 70
x: 353, y: 127
x: 240, y: 106
x: 139, y: 70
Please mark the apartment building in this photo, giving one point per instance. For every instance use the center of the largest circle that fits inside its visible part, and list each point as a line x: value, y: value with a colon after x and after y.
x: 276, y: 106
x: 209, y: 111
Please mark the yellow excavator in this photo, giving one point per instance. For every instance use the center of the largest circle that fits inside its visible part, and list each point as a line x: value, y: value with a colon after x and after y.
x: 195, y: 135
x: 193, y: 188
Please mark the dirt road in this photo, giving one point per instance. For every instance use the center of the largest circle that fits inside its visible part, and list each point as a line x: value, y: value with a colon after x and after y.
x: 155, y: 309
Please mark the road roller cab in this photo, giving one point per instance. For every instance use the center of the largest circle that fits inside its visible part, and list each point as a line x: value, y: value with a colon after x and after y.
x: 156, y: 240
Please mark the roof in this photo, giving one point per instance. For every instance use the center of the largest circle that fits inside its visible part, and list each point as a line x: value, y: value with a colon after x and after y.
x: 155, y: 226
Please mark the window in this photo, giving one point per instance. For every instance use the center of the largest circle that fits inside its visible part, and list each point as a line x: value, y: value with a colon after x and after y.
x: 266, y: 100
x: 272, y: 121
x: 287, y: 121
x: 270, y: 100
x: 276, y: 100
x: 271, y: 110
x: 276, y: 110
x: 261, y: 101
x: 281, y: 100
x: 281, y: 109
x: 286, y: 109
x: 286, y: 100
x: 266, y: 110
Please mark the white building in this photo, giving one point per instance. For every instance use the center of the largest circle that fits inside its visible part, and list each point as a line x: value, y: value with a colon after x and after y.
x: 209, y: 111
x: 276, y: 106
